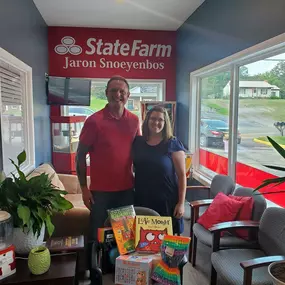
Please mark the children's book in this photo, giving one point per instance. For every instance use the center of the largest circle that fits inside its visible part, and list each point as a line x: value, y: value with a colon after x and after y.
x: 122, y: 220
x: 150, y: 231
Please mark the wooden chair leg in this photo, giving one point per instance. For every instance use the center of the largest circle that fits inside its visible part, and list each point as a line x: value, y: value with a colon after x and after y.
x: 213, y: 276
x: 181, y: 276
x: 191, y: 235
x: 194, y: 250
x: 247, y: 277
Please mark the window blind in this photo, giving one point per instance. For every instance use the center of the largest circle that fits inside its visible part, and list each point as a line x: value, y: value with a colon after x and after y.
x: 11, y: 85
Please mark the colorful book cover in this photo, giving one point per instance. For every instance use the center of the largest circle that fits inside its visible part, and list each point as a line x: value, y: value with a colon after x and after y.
x: 68, y: 243
x: 122, y: 220
x: 150, y: 231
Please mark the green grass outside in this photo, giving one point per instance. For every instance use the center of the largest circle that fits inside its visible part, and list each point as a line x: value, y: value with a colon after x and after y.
x: 279, y: 139
x: 97, y: 104
x: 269, y: 108
x: 217, y: 107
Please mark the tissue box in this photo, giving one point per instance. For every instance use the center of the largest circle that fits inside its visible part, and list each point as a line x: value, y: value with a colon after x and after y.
x: 133, y: 270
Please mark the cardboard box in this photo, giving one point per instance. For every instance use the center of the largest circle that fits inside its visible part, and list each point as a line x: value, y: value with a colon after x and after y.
x: 156, y: 257
x: 133, y: 270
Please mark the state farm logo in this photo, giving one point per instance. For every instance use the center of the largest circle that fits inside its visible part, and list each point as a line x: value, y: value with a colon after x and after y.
x: 68, y: 46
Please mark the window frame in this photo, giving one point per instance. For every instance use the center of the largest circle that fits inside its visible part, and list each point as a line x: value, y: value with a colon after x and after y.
x: 269, y: 48
x: 28, y: 115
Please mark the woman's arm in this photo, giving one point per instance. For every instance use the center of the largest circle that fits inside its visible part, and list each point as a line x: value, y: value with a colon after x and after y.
x: 180, y: 169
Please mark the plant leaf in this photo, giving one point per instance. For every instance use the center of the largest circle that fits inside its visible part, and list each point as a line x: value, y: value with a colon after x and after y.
x: 270, y: 181
x: 273, y: 192
x: 24, y: 213
x: 279, y: 148
x: 61, y: 204
x: 22, y: 157
x: 49, y: 225
x: 22, y: 198
x: 2, y: 176
x: 275, y: 167
x: 21, y: 174
x: 42, y: 213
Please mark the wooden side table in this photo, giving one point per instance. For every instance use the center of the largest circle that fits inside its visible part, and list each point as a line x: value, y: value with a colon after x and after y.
x: 62, y: 272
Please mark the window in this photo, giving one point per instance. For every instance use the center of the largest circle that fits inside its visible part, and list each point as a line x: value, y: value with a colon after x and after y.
x: 17, y: 128
x: 242, y: 91
x: 214, y: 117
x: 130, y: 104
x: 141, y: 90
x: 244, y: 119
x: 264, y: 91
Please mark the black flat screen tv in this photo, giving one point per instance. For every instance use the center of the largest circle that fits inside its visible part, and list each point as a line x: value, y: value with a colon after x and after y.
x: 68, y: 91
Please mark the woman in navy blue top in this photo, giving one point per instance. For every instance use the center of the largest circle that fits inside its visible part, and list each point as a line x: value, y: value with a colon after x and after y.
x: 159, y: 164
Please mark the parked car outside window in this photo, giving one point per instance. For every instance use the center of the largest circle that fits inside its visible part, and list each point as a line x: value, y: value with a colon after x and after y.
x: 213, y: 133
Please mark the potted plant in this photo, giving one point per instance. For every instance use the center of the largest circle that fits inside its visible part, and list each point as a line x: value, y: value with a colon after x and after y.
x: 276, y: 269
x: 31, y: 203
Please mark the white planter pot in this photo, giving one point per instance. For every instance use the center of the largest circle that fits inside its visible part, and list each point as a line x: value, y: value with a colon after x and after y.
x: 24, y: 241
x: 274, y: 279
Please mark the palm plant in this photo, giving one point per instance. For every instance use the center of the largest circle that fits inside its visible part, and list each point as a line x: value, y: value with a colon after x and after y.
x: 278, y: 180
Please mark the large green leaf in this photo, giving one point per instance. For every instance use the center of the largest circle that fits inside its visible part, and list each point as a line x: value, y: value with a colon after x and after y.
x: 2, y: 176
x: 275, y: 167
x: 61, y: 204
x: 49, y: 225
x: 267, y: 182
x: 21, y: 157
x: 21, y: 174
x: 279, y: 148
x: 24, y: 213
x: 41, y: 213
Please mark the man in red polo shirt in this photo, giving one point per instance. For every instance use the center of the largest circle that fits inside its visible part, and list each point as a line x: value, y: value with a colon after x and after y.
x: 107, y: 136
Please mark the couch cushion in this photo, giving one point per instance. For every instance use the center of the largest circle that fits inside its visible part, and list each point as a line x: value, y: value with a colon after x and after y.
x: 227, y: 265
x: 47, y: 169
x: 76, y: 200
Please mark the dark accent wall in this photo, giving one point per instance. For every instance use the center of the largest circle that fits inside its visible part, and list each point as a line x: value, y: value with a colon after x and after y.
x: 217, y: 29
x: 23, y: 33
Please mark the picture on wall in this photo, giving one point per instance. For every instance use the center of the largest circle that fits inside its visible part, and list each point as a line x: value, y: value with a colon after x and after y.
x: 170, y: 106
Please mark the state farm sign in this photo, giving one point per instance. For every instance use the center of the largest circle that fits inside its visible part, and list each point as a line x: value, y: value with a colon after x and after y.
x: 101, y: 53
x: 116, y: 48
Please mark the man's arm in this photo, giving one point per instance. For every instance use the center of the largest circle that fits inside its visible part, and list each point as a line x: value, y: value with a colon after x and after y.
x: 81, y: 167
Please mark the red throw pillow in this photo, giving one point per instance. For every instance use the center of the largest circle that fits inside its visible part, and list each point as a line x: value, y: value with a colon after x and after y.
x: 222, y: 209
x: 244, y: 214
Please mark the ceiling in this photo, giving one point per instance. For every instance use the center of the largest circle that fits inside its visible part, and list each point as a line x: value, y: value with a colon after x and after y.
x: 123, y: 14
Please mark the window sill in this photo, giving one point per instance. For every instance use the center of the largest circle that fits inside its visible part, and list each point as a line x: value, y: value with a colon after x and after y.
x: 207, y: 182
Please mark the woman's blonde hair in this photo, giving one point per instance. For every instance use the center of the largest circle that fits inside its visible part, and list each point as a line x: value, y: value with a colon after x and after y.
x: 167, y: 132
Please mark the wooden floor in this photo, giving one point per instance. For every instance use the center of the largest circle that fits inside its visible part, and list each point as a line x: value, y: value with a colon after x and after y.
x: 200, y: 275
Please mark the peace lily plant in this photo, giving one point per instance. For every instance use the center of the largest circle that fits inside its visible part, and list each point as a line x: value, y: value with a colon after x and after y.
x: 31, y: 202
x: 278, y: 180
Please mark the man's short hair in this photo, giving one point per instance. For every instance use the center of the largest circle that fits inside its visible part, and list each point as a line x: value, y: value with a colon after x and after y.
x: 120, y: 78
